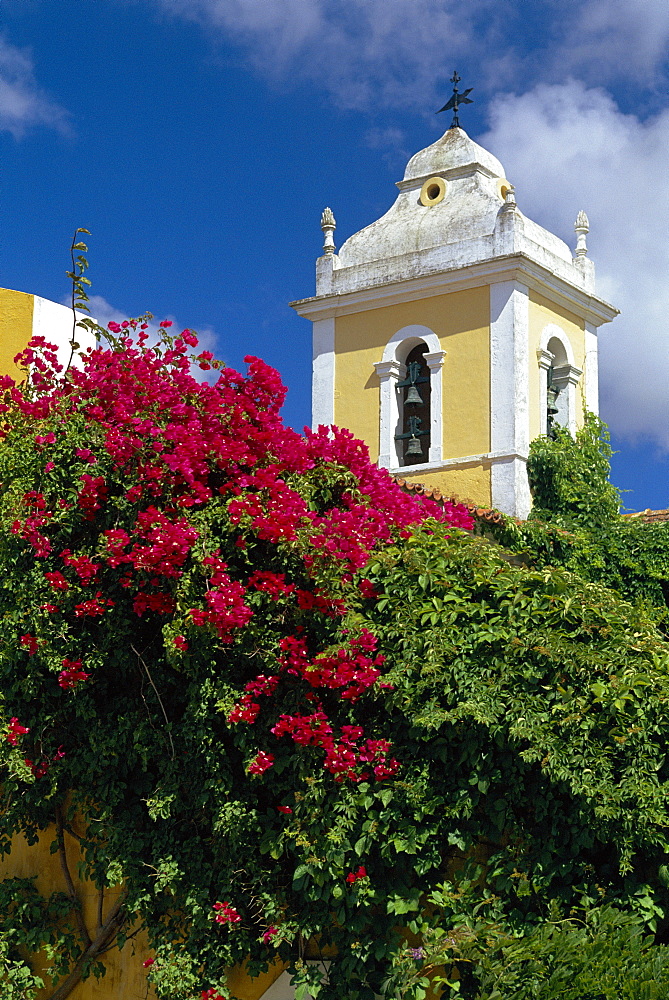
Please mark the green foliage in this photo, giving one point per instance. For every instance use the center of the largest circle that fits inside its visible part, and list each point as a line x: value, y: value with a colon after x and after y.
x: 604, y: 955
x: 17, y: 982
x: 569, y: 476
x: 533, y: 708
x: 591, y: 953
x: 541, y: 702
x: 79, y: 297
x: 575, y: 521
x: 528, y: 709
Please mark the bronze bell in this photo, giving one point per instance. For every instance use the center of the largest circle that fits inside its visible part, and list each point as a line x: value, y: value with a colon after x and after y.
x: 552, y: 394
x: 415, y: 447
x: 413, y: 397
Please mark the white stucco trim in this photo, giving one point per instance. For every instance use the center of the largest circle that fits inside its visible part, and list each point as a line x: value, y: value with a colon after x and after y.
x: 435, y: 362
x: 510, y: 486
x: 509, y: 395
x: 554, y: 332
x: 407, y: 338
x: 545, y: 360
x: 54, y: 322
x: 283, y: 989
x: 390, y: 373
x: 323, y: 373
x: 591, y: 381
x: 392, y: 370
x: 567, y: 378
x: 438, y: 281
x: 465, y: 461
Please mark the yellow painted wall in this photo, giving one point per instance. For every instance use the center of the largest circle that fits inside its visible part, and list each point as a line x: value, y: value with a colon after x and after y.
x: 470, y: 483
x: 16, y: 326
x: 542, y: 312
x: 126, y: 976
x: 461, y: 321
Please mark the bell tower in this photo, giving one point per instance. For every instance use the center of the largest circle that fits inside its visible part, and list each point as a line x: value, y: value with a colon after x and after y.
x: 453, y: 330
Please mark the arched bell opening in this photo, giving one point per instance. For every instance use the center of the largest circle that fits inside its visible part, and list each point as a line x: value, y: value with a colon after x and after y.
x: 559, y: 380
x: 410, y: 399
x: 414, y: 411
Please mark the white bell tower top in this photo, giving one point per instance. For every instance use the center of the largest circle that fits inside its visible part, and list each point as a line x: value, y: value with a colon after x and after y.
x: 496, y: 306
x: 452, y: 211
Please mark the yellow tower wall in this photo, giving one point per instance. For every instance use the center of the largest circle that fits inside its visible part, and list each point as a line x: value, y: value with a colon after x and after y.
x: 470, y: 483
x: 461, y: 321
x: 126, y: 977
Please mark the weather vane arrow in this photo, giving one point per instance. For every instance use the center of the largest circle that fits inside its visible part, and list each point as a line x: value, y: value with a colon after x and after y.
x: 456, y: 100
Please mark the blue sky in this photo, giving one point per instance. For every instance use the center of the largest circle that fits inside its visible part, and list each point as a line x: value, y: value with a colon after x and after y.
x: 199, y: 141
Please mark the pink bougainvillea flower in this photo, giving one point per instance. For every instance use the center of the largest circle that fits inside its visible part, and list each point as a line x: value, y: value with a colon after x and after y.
x: 148, y: 962
x: 38, y: 769
x: 71, y: 675
x: 29, y: 642
x: 166, y: 445
x: 226, y: 914
x: 262, y: 762
x: 366, y: 588
x: 97, y: 605
x: 285, y: 809
x: 15, y: 730
x: 189, y: 337
x: 357, y: 875
x: 269, y: 934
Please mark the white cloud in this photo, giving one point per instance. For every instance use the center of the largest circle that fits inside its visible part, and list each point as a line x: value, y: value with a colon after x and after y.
x: 607, y: 40
x: 399, y: 53
x: 22, y: 103
x: 567, y: 147
x: 361, y: 51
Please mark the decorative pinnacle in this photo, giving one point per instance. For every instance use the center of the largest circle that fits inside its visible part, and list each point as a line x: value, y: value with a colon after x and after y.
x: 582, y: 222
x: 510, y: 197
x: 328, y: 225
x: 456, y: 100
x: 581, y: 227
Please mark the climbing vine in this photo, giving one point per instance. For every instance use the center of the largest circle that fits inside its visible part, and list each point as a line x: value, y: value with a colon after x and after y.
x: 275, y: 709
x: 576, y: 520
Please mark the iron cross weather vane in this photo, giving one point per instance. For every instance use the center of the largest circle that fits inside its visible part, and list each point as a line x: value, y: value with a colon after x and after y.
x: 456, y: 100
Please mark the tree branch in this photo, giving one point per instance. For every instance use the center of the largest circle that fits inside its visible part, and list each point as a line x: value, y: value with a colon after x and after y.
x: 107, y: 931
x: 71, y: 891
x: 160, y: 700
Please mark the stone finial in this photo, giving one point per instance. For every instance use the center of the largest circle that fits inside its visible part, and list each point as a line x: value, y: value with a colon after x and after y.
x: 510, y: 197
x: 582, y: 228
x: 328, y: 225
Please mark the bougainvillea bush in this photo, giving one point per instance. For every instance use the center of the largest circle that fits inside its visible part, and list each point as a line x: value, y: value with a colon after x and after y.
x: 286, y: 711
x: 178, y: 573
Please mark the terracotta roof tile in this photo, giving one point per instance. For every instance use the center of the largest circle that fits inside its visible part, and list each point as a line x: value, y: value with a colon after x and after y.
x: 649, y: 516
x: 480, y: 513
x: 496, y: 517
x: 490, y: 516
